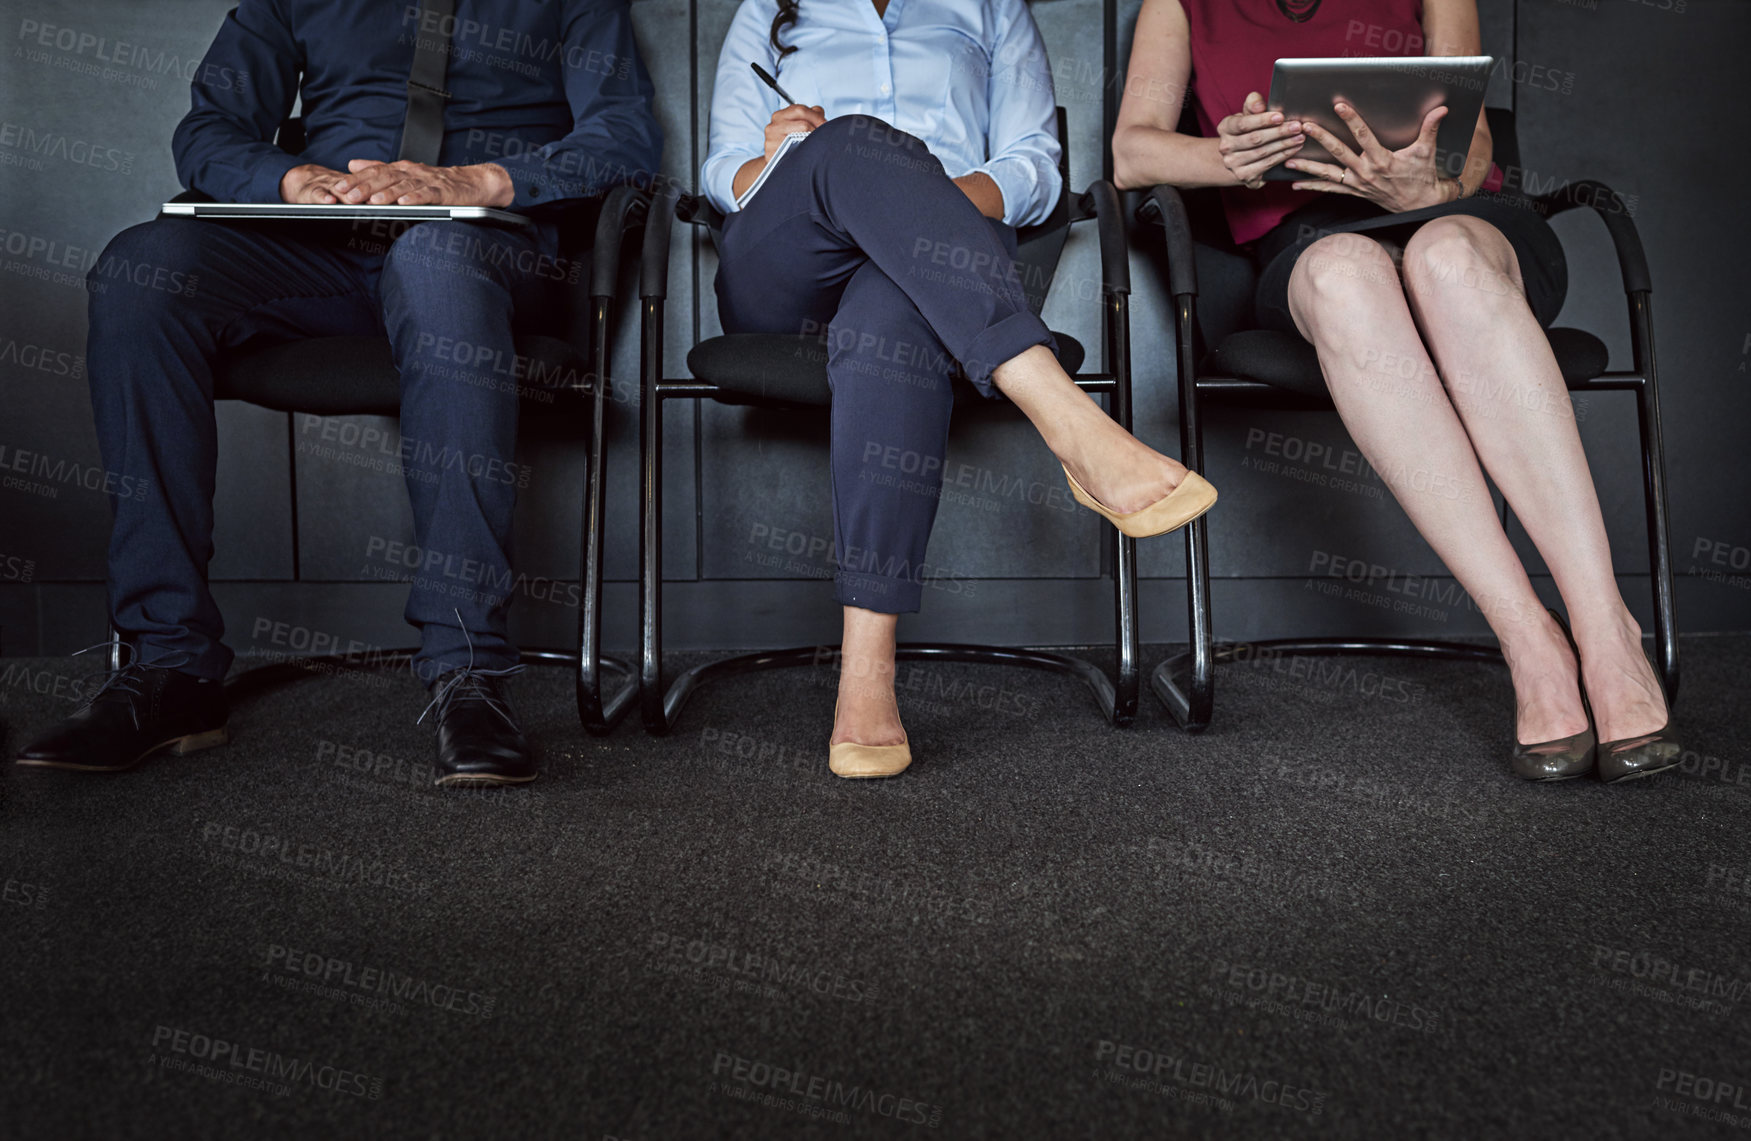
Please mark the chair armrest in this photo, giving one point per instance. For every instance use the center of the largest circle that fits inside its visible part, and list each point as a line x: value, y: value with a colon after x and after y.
x: 1164, y: 206
x: 698, y: 210
x: 1101, y: 202
x: 653, y: 263
x: 673, y: 204
x: 625, y: 208
x: 1609, y: 205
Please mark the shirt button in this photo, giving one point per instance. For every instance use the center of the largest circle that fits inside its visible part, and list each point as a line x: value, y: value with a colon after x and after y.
x: 886, y: 87
x: 534, y: 191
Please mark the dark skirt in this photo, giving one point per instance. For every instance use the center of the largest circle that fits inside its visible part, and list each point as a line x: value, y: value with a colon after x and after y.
x: 1542, y: 267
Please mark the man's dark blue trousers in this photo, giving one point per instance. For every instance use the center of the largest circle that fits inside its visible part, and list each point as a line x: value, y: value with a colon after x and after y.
x: 168, y: 297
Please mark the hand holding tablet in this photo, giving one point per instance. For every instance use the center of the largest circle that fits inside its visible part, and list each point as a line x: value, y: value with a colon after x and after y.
x: 1394, y: 130
x: 1256, y: 139
x: 1400, y: 180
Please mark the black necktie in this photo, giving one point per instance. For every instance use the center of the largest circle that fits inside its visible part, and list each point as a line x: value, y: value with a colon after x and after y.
x: 422, y: 134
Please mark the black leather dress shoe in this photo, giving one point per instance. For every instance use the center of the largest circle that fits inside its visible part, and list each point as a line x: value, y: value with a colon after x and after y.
x: 479, y: 742
x: 136, y: 712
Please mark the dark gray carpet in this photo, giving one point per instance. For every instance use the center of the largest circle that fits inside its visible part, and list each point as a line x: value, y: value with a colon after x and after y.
x: 1335, y: 914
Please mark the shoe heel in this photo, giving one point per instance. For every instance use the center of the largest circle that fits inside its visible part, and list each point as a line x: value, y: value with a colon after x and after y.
x: 195, y: 742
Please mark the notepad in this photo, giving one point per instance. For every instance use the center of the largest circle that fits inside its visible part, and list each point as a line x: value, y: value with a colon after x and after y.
x: 784, y: 148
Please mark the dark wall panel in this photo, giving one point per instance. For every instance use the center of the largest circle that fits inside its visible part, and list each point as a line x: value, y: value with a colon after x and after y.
x: 84, y: 154
x: 1649, y: 88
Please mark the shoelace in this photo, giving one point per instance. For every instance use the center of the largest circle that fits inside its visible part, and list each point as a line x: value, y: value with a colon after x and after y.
x: 465, y: 684
x: 124, y: 680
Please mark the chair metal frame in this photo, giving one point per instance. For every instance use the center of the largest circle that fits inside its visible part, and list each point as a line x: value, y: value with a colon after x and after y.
x: 1116, y: 695
x: 1185, y: 683
x: 599, y: 710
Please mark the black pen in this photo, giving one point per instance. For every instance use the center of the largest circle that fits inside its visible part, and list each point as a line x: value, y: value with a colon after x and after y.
x: 771, y: 82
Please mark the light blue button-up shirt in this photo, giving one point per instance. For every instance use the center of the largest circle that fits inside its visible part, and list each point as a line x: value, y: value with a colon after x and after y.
x: 968, y: 77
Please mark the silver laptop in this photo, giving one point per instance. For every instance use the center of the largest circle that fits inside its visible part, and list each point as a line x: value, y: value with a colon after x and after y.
x: 1391, y: 93
x: 342, y: 212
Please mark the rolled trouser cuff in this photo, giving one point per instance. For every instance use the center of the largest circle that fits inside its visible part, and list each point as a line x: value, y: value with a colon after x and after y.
x: 1004, y: 341
x: 884, y: 594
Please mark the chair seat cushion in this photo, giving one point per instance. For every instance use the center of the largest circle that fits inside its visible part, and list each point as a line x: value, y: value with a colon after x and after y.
x: 779, y: 368
x: 1285, y: 360
x: 1579, y: 354
x: 349, y: 376
x: 1282, y: 360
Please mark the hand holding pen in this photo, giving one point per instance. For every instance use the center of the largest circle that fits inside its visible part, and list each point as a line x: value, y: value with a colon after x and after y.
x: 791, y: 119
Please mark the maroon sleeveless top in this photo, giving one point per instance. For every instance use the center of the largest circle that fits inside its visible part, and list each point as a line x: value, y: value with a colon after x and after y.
x: 1234, y: 44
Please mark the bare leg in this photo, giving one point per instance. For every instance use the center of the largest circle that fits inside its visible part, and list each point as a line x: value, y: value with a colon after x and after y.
x: 868, y: 711
x: 1114, y: 466
x: 1465, y: 288
x: 1346, y: 298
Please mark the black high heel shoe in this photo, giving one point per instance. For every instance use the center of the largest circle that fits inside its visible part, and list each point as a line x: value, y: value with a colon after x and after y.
x: 1644, y: 755
x: 1566, y: 757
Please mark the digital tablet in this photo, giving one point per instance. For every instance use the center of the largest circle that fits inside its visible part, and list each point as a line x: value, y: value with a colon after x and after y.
x: 1391, y: 93
x: 342, y: 212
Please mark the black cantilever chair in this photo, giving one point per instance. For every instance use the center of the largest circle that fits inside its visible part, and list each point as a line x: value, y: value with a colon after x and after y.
x: 1266, y: 369
x: 342, y: 376
x: 790, y: 371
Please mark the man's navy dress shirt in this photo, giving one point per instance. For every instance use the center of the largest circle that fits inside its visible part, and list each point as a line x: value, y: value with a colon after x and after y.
x: 552, y: 90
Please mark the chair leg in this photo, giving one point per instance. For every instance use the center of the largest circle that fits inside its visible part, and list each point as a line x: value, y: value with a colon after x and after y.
x: 1654, y: 493
x: 1129, y: 637
x: 589, y: 680
x: 1129, y: 682
x: 1193, y: 706
x: 650, y: 527
x: 1201, y: 685
x: 598, y: 717
x: 292, y: 493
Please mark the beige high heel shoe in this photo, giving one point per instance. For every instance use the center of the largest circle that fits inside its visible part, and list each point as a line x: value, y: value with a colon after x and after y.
x: 854, y: 761
x: 1191, y: 498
